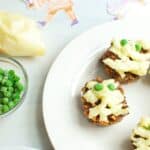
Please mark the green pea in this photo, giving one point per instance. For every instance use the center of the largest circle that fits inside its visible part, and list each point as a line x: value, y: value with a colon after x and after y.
x: 111, y: 87
x: 16, y: 95
x: 3, y: 81
x: 11, y: 77
x: 11, y: 72
x: 98, y: 87
x: 123, y: 42
x: 10, y: 89
x: 3, y: 89
x: 11, y: 104
x: 7, y: 94
x: 8, y: 83
x: 5, y: 100
x: 5, y: 108
x: 19, y: 86
x: 16, y: 78
x: 138, y: 47
x: 16, y: 101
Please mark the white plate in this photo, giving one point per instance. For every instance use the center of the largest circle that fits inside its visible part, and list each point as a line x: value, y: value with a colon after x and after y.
x: 78, y: 62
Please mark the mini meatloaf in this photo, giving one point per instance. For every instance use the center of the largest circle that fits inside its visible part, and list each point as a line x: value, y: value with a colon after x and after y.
x: 127, y: 60
x: 141, y: 135
x: 104, y: 102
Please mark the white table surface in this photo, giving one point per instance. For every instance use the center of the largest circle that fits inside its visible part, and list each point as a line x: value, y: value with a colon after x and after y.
x: 25, y: 127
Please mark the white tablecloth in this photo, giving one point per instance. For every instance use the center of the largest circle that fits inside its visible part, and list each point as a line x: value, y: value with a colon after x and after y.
x: 25, y: 127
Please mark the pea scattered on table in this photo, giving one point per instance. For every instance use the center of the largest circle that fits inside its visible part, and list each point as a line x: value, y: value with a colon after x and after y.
x: 10, y: 90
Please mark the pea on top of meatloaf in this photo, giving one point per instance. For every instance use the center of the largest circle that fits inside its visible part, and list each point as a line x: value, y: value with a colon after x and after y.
x: 106, y: 98
x: 141, y: 135
x: 133, y: 57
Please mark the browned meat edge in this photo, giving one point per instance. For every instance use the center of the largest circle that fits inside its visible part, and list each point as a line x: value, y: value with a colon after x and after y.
x: 129, y: 77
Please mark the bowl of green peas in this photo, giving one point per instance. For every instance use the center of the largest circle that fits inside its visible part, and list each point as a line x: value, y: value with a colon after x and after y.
x: 13, y: 85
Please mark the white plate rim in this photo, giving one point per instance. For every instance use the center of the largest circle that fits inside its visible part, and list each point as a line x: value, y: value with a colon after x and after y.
x: 118, y: 22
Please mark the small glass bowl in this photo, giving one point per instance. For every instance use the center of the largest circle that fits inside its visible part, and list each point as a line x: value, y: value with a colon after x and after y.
x: 8, y: 63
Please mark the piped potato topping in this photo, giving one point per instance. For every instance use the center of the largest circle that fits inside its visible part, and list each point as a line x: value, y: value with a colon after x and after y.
x: 141, y: 135
x: 133, y: 57
x: 105, y: 98
x: 19, y: 36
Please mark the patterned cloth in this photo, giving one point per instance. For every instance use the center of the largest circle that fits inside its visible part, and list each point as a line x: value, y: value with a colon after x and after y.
x: 119, y: 9
x: 59, y: 4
